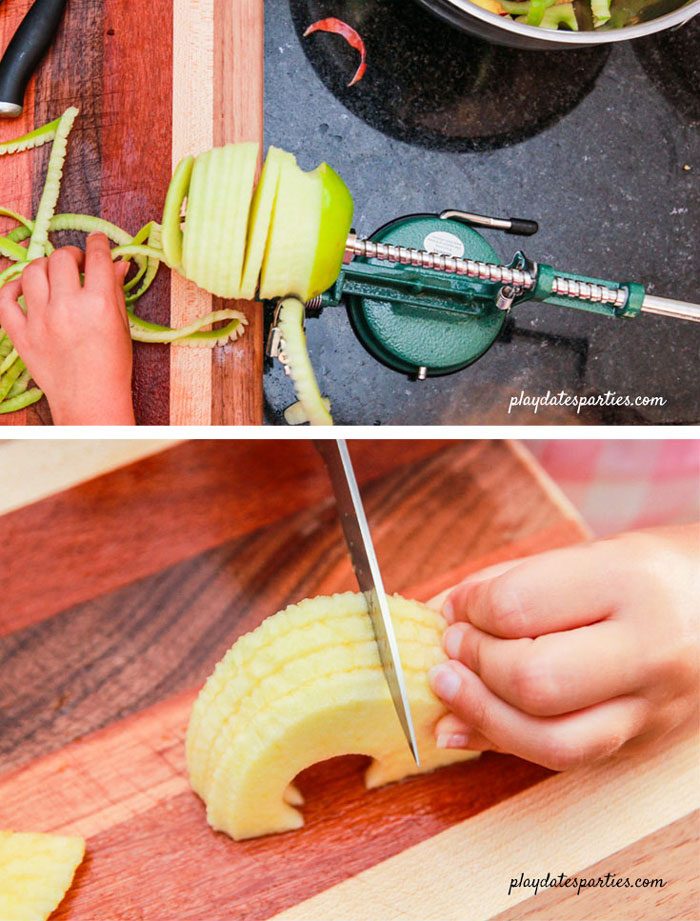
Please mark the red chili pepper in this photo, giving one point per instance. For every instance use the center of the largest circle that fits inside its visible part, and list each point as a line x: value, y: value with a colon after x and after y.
x: 338, y: 27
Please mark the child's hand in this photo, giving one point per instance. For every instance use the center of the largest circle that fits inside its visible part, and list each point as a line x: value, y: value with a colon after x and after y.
x: 75, y: 337
x: 571, y: 654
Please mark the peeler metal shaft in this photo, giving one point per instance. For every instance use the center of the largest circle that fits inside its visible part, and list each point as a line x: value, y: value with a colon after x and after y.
x: 667, y: 307
x: 518, y: 278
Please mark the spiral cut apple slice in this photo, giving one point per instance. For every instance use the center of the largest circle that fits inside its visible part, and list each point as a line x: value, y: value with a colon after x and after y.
x: 36, y: 871
x: 305, y: 686
x: 260, y: 219
x: 172, y: 212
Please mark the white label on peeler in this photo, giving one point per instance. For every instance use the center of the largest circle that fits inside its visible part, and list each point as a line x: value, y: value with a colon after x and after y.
x: 444, y: 244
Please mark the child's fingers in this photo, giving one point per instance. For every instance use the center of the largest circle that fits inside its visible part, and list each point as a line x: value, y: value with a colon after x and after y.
x: 451, y: 732
x: 12, y: 318
x: 99, y: 269
x: 549, y: 592
x: 558, y: 742
x: 555, y: 673
x: 35, y: 284
x: 64, y: 269
x: 438, y: 601
x: 121, y: 270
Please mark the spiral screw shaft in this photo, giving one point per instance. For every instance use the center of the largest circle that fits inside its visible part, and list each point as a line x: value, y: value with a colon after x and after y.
x: 485, y: 271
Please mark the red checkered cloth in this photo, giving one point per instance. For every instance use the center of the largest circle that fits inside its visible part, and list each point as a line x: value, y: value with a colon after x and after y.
x: 620, y: 485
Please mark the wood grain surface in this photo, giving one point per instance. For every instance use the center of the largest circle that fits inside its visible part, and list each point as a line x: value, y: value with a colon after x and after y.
x: 670, y: 855
x: 58, y: 465
x: 16, y: 171
x: 208, y: 492
x: 145, y: 575
x: 238, y: 116
x: 139, y: 112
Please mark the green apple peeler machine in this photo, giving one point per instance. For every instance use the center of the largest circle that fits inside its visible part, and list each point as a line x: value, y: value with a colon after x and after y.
x: 427, y: 294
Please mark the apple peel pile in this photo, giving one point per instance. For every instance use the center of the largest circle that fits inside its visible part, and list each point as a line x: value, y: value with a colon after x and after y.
x: 283, y: 237
x: 36, y: 871
x: 305, y: 686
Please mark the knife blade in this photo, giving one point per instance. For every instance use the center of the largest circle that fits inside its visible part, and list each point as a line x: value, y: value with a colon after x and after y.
x: 27, y: 47
x: 364, y: 560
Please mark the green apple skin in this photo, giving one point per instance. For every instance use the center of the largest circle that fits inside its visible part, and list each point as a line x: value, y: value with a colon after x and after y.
x: 176, y: 194
x: 293, y: 236
x: 336, y: 221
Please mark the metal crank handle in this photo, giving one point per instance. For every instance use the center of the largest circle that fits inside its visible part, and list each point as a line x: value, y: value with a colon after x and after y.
x: 27, y: 47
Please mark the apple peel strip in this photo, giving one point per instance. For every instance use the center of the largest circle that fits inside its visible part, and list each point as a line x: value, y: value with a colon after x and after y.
x: 352, y: 37
x: 34, y: 139
x: 294, y: 355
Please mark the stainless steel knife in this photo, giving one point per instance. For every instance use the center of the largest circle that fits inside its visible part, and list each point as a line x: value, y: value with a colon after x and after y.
x: 364, y: 560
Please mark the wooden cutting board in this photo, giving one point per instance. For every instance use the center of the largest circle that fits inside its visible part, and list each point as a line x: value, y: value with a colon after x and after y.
x: 121, y: 591
x: 153, y: 82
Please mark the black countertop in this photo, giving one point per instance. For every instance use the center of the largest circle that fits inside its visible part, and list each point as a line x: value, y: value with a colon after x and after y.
x: 601, y: 146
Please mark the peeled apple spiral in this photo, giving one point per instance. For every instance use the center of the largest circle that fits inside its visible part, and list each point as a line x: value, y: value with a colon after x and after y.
x: 285, y: 236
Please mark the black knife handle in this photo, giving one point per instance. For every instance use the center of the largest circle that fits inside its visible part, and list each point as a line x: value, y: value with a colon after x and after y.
x: 27, y: 47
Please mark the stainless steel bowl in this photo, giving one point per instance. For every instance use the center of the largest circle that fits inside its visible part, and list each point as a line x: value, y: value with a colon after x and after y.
x: 505, y: 31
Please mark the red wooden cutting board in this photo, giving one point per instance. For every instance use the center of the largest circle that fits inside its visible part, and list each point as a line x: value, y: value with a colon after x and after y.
x: 152, y: 81
x: 123, y: 592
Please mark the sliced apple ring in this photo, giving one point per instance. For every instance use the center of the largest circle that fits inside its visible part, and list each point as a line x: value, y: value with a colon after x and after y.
x: 36, y: 871
x: 304, y: 687
x: 260, y: 219
x: 291, y: 247
x: 216, y: 224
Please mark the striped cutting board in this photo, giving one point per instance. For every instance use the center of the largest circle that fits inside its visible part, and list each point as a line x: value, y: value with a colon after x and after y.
x: 153, y: 81
x: 129, y: 568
